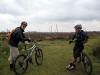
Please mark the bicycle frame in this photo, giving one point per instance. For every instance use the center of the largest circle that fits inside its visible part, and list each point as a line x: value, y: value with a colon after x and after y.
x: 21, y: 62
x: 81, y: 56
x: 31, y: 51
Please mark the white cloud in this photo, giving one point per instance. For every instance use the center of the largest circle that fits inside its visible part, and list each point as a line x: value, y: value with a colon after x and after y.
x: 41, y: 14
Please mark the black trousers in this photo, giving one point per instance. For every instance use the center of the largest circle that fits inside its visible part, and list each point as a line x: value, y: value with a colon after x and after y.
x: 78, y: 48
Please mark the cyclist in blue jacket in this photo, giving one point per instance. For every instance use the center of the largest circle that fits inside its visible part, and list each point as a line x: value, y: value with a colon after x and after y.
x: 80, y: 37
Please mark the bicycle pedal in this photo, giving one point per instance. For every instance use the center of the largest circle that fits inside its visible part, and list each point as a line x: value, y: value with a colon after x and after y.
x: 30, y: 60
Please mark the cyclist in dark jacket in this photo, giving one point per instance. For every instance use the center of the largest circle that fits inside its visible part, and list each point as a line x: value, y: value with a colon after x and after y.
x: 15, y: 38
x: 80, y: 39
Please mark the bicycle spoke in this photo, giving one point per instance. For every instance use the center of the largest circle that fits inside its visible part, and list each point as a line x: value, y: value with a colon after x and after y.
x: 20, y: 66
x: 39, y: 57
x: 87, y: 64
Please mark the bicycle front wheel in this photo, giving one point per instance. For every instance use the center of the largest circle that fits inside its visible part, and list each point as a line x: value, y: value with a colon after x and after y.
x: 39, y: 56
x: 20, y: 66
x: 87, y: 64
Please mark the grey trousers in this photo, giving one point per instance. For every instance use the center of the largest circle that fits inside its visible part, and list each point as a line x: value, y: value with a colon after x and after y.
x: 14, y: 52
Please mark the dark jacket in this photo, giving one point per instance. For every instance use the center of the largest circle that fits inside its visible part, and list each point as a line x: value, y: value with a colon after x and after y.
x: 16, y: 37
x: 79, y: 38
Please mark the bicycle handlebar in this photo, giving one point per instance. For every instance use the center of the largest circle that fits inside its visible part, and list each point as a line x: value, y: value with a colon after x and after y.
x: 35, y: 41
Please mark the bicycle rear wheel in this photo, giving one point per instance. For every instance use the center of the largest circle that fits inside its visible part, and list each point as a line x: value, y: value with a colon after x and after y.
x: 20, y: 66
x: 39, y: 56
x: 87, y: 64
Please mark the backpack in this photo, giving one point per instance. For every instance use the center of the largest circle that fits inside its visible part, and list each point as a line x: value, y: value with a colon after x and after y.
x: 86, y: 37
x: 9, y: 35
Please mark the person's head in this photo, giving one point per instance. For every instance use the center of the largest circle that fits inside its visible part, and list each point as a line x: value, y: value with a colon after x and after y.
x: 78, y: 27
x: 23, y: 25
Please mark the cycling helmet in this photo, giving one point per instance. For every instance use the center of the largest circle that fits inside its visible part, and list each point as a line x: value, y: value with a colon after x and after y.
x: 78, y: 26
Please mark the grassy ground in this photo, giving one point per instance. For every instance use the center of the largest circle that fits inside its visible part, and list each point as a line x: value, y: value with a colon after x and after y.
x: 57, y: 54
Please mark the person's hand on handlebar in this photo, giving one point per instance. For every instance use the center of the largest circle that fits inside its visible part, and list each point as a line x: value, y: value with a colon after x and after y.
x: 34, y: 41
x: 70, y: 41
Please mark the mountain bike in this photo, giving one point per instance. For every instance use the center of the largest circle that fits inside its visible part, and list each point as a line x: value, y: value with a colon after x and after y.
x: 85, y: 59
x: 22, y: 60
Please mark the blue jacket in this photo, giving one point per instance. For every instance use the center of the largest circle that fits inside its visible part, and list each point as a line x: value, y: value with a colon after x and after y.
x: 79, y: 37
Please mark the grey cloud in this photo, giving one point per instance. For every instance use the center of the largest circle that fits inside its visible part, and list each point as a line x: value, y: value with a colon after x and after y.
x: 9, y: 7
x: 40, y: 11
x: 73, y: 10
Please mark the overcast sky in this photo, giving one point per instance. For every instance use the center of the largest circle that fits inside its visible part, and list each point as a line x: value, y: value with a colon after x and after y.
x: 50, y: 15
